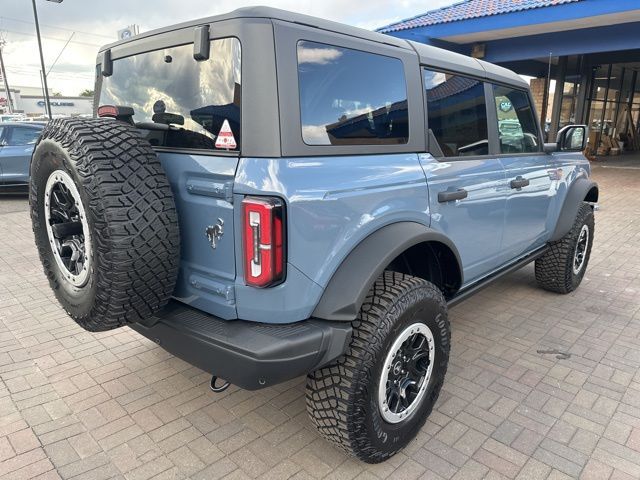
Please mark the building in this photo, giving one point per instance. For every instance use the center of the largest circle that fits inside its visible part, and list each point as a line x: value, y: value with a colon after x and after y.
x: 583, y: 55
x: 30, y: 101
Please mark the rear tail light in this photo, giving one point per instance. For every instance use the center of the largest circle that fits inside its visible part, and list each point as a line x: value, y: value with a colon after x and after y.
x: 263, y: 229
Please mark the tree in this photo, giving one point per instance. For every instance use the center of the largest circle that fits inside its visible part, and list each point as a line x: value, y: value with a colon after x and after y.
x: 86, y: 93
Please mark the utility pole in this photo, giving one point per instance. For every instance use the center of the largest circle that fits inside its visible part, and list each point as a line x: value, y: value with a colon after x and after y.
x: 44, y: 70
x: 4, y: 77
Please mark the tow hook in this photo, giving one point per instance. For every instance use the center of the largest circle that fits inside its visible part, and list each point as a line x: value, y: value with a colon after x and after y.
x: 218, y: 389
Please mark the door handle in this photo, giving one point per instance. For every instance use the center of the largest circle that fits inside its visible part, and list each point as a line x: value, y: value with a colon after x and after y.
x: 519, y: 182
x: 451, y: 195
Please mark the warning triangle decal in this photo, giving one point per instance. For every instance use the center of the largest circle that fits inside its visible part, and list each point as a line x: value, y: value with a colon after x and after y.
x: 225, y: 137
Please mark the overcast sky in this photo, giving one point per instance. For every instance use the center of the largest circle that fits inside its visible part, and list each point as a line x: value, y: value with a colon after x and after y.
x: 96, y: 22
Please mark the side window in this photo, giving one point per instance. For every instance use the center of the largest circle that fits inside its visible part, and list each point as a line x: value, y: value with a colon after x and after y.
x: 350, y: 97
x: 457, y: 114
x: 517, y: 127
x: 23, y: 136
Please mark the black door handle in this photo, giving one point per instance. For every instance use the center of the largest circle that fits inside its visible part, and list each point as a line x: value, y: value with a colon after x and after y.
x: 451, y: 195
x: 519, y: 182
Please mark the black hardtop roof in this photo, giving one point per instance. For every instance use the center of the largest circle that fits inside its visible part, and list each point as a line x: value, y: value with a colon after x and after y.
x: 429, y: 55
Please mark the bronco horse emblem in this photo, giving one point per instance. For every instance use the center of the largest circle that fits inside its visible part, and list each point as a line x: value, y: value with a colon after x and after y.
x: 215, y: 232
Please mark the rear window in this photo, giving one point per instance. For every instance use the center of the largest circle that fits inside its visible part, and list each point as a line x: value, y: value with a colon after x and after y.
x: 179, y: 102
x: 350, y: 97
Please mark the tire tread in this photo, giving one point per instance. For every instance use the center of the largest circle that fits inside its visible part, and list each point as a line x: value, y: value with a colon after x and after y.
x: 135, y: 230
x: 333, y: 393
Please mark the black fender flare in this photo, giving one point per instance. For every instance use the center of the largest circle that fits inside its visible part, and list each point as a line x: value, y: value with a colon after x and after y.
x: 583, y: 189
x: 350, y: 283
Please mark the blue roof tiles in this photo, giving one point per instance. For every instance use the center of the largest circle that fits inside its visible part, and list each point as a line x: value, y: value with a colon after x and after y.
x: 468, y: 9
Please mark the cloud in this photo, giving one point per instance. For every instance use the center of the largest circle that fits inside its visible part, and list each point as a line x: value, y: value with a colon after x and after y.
x: 315, y: 135
x: 96, y: 23
x: 318, y: 56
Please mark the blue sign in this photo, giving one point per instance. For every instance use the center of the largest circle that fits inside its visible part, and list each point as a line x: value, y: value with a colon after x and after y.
x: 57, y: 103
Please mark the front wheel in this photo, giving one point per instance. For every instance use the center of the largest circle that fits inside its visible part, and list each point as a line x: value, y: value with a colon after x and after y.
x: 563, y: 266
x: 373, y: 400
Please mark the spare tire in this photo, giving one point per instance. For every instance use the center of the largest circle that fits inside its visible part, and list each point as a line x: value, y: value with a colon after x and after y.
x: 104, y: 220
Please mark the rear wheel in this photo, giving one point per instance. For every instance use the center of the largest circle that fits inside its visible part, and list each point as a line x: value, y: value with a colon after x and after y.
x: 373, y: 401
x: 104, y: 220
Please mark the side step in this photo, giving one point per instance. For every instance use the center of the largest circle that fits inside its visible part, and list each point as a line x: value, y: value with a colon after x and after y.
x: 474, y: 288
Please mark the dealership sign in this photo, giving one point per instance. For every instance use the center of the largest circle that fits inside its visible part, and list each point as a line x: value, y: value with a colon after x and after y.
x: 57, y: 103
x: 506, y: 106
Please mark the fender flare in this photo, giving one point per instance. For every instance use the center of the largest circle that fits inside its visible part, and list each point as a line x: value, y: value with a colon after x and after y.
x: 350, y: 283
x: 578, y: 191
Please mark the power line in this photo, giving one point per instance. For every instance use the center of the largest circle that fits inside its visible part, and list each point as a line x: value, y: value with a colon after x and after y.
x: 55, y: 39
x: 60, y: 54
x: 56, y: 27
x: 34, y: 71
x: 57, y: 75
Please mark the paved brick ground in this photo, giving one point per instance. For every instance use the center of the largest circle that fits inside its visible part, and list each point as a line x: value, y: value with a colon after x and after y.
x: 113, y: 405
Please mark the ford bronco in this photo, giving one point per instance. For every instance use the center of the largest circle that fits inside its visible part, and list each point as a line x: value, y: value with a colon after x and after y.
x: 268, y: 195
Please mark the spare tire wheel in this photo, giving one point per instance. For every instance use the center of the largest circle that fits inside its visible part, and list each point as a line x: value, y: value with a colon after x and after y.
x: 104, y: 220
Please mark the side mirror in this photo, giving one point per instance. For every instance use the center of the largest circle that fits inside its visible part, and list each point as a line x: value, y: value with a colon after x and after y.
x: 573, y: 138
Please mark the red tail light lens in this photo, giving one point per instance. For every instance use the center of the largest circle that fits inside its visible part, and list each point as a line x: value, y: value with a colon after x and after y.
x: 108, y: 111
x: 263, y: 228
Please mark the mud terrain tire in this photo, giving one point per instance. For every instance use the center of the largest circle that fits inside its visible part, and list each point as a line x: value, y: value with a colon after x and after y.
x: 557, y: 270
x: 344, y: 398
x: 104, y: 221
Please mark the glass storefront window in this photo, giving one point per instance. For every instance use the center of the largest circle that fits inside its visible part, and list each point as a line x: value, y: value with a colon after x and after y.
x: 615, y: 82
x: 600, y: 80
x: 627, y: 85
x: 610, y: 96
x: 595, y: 123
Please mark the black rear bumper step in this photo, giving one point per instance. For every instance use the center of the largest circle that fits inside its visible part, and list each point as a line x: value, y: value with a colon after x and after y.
x: 248, y: 354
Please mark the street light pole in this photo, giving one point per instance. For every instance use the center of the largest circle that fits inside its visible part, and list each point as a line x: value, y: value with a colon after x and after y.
x: 4, y: 77
x: 44, y: 75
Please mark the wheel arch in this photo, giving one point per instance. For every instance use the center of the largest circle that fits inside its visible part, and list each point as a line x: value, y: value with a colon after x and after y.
x: 582, y: 190
x: 406, y: 247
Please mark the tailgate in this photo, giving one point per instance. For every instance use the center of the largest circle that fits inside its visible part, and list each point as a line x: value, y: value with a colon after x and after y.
x: 202, y: 188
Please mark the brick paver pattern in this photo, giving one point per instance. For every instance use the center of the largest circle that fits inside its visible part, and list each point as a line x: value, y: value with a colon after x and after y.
x: 540, y: 385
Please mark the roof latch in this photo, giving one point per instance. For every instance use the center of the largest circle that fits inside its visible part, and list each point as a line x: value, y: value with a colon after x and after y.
x: 106, y: 64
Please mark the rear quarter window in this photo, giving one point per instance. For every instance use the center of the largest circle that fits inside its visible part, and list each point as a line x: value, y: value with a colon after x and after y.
x: 351, y: 97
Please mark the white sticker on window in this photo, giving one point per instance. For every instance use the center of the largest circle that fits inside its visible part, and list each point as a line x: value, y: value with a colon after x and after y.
x: 225, y: 137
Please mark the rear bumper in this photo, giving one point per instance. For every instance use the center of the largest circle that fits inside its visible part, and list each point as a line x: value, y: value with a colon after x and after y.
x: 248, y: 354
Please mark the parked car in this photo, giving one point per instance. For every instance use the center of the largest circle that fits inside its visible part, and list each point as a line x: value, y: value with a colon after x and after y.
x: 267, y: 195
x: 12, y: 117
x: 16, y: 146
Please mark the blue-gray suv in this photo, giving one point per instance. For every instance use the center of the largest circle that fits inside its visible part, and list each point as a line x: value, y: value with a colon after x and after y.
x: 268, y: 195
